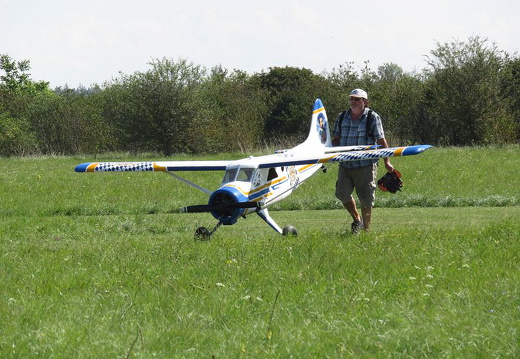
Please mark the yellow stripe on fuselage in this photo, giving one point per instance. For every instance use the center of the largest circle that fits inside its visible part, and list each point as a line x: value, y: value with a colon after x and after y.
x: 306, y: 167
x: 280, y: 179
x: 248, y: 194
x: 258, y: 189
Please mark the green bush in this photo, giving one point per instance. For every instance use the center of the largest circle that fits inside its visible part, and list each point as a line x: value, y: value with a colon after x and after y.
x: 15, y: 137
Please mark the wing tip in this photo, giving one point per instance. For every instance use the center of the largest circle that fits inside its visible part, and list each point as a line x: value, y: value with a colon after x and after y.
x: 82, y: 167
x: 415, y: 150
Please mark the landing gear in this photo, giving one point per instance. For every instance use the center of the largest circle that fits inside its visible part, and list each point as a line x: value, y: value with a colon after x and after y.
x: 204, y: 234
x: 289, y: 231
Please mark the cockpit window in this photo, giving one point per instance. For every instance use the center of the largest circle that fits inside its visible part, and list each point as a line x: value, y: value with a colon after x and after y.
x: 242, y: 174
x: 245, y: 175
x: 230, y: 175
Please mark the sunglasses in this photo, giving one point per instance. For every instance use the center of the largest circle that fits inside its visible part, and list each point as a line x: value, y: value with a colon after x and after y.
x: 355, y: 98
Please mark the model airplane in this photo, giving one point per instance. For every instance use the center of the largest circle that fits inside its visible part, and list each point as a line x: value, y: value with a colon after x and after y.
x: 252, y: 184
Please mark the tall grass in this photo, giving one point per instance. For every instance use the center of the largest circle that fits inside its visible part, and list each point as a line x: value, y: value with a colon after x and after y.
x: 426, y: 283
x: 100, y: 265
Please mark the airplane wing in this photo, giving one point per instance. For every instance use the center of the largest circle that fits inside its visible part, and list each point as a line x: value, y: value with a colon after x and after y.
x: 350, y: 148
x: 344, y: 156
x: 331, y: 155
x: 162, y: 166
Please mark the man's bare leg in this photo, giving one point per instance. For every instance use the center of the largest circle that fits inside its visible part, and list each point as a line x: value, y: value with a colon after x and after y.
x: 350, y: 206
x: 366, y: 212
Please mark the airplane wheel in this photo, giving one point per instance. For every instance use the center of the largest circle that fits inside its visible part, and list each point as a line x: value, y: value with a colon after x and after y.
x: 202, y: 234
x: 289, y: 231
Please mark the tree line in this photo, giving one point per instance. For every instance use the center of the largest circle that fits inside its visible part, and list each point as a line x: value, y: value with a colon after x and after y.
x: 468, y: 94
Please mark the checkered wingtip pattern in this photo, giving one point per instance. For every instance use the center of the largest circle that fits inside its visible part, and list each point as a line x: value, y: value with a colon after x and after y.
x: 124, y: 167
x: 368, y: 155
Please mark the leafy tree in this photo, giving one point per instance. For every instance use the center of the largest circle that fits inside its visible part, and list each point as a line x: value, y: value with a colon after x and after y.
x: 17, y: 92
x: 291, y: 94
x: 69, y: 122
x: 16, y: 87
x: 342, y: 80
x: 16, y: 139
x: 345, y: 77
x: 233, y: 112
x: 16, y: 76
x: 154, y: 110
x: 463, y: 94
x: 395, y: 95
x: 469, y: 94
x: 390, y: 72
x: 510, y: 85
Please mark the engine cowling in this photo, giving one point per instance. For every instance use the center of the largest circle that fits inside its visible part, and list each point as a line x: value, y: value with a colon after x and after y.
x: 227, y: 196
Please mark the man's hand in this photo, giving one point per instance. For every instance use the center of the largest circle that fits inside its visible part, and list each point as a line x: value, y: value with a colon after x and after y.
x: 389, y: 166
x: 382, y: 142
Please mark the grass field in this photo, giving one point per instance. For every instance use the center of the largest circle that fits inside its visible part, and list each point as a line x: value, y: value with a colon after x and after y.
x: 104, y: 266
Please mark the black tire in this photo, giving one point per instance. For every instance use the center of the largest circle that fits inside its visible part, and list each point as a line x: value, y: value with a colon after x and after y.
x: 202, y: 234
x: 289, y: 231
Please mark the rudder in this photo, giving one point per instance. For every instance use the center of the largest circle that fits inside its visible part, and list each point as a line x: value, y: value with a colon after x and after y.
x: 319, y: 133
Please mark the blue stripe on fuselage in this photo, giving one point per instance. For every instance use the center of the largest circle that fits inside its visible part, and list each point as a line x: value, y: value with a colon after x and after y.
x: 275, y: 187
x: 258, y: 194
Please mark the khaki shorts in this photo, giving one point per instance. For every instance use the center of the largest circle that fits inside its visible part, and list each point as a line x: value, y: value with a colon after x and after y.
x: 362, y: 179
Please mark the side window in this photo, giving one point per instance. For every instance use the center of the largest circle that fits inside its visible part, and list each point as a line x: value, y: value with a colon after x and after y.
x: 272, y: 174
x: 257, y: 177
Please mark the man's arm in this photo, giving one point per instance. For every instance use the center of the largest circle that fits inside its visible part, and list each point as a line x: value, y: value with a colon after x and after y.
x: 382, y: 142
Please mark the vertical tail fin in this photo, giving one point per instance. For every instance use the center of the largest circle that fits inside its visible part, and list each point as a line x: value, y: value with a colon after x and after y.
x: 319, y: 133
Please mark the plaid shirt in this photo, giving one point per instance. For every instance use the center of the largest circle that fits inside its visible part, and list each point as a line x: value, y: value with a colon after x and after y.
x: 353, y: 133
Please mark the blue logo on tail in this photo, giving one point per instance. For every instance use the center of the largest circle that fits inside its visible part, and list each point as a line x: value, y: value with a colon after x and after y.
x: 321, y: 127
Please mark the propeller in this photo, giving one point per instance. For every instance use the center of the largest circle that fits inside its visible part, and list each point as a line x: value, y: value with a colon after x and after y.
x: 219, y: 207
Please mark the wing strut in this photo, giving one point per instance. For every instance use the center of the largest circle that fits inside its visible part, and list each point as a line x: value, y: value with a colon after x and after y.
x: 207, y: 191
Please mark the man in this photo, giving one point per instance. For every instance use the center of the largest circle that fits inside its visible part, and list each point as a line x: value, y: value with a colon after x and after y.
x: 360, y: 175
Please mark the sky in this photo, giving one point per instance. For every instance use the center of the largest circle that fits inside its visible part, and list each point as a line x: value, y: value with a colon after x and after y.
x: 82, y: 43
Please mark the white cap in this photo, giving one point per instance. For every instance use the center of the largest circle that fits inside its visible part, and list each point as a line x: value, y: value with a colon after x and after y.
x: 359, y: 93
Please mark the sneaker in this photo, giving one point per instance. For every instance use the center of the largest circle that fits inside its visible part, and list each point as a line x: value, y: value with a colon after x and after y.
x: 356, y: 226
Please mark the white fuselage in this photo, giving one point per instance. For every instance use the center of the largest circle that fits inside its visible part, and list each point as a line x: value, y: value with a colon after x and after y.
x: 266, y: 185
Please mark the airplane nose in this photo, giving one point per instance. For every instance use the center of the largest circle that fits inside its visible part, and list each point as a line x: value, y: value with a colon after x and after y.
x: 223, y: 198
